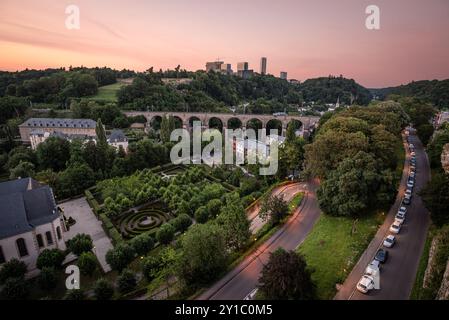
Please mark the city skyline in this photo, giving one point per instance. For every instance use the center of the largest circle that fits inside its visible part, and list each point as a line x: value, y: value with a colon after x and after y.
x: 314, y: 39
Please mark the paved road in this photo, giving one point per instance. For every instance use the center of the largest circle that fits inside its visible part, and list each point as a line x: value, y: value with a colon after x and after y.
x: 243, y: 278
x: 287, y: 191
x: 398, y: 274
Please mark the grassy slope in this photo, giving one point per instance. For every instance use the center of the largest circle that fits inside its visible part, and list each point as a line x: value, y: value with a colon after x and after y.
x: 418, y: 291
x: 332, y: 250
x: 107, y: 93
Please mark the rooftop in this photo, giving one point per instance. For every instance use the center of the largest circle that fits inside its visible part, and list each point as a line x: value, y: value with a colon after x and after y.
x: 60, y: 123
x: 24, y: 204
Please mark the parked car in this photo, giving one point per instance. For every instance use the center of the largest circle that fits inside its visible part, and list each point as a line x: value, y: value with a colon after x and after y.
x: 365, y: 284
x: 410, y: 183
x: 400, y: 217
x: 408, y: 193
x: 406, y: 201
x: 389, y: 241
x: 413, y: 153
x: 381, y: 255
x: 251, y: 295
x: 372, y: 267
x: 402, y: 210
x: 412, y: 174
x: 395, y: 227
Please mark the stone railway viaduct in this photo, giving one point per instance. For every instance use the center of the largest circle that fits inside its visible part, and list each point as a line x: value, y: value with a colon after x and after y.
x: 307, y: 122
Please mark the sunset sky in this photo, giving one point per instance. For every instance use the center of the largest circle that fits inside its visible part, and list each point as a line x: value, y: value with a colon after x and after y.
x: 305, y: 38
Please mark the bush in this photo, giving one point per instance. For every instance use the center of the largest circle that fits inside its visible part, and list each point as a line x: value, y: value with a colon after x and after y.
x: 15, y: 289
x: 87, y: 262
x: 181, y: 223
x: 51, y: 258
x: 165, y: 234
x: 142, y: 244
x: 213, y: 207
x: 76, y: 295
x: 80, y: 243
x: 119, y: 257
x: 103, y: 290
x: 12, y: 269
x: 47, y: 279
x: 150, y: 267
x: 126, y: 281
x: 201, y: 214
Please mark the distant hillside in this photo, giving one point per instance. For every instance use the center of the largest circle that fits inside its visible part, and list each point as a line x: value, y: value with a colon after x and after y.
x: 433, y: 91
x: 329, y: 89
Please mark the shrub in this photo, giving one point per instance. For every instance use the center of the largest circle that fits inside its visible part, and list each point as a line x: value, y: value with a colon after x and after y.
x: 47, y: 279
x: 165, y: 234
x: 119, y: 257
x: 80, y: 243
x: 213, y: 207
x: 103, y: 290
x: 76, y: 294
x: 15, y: 289
x: 12, y: 269
x: 201, y: 214
x: 150, y: 267
x: 51, y: 258
x: 87, y: 262
x: 181, y: 223
x: 142, y: 244
x: 126, y: 281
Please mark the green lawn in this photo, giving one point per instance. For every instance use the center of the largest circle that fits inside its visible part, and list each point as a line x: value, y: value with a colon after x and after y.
x: 331, y: 249
x: 107, y: 93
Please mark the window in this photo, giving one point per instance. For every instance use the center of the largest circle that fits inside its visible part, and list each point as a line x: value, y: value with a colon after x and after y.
x: 2, y: 256
x: 58, y: 232
x: 49, y: 238
x: 21, y: 245
x: 40, y: 241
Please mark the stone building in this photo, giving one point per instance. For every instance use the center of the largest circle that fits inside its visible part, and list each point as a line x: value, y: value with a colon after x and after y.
x: 29, y: 221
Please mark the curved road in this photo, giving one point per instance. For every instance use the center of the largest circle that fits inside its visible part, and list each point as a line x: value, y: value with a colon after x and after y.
x: 243, y: 278
x: 398, y: 274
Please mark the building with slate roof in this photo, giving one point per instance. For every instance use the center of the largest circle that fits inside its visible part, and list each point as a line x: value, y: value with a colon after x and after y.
x: 29, y: 221
x: 82, y: 127
x: 118, y: 139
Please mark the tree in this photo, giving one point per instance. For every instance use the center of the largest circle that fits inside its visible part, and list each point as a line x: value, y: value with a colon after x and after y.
x: 167, y: 126
x: 203, y: 256
x: 329, y: 149
x: 50, y: 258
x: 126, y: 281
x: 151, y: 266
x: 53, y: 153
x: 213, y: 207
x: 425, y: 132
x: 47, y: 279
x: 101, y: 134
x: 273, y: 208
x: 80, y: 243
x: 74, y: 180
x: 22, y: 170
x: 234, y: 224
x: 435, y: 147
x: 15, y: 289
x: 436, y: 198
x: 103, y: 290
x: 12, y: 269
x: 201, y: 214
x: 142, y: 244
x: 75, y: 295
x: 349, y: 189
x: 120, y: 257
x: 87, y: 262
x: 181, y: 223
x: 286, y: 277
x: 165, y: 234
